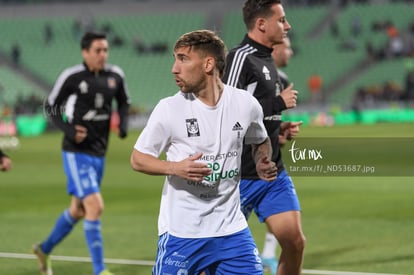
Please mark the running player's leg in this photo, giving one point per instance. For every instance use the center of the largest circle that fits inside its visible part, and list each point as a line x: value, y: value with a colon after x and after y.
x: 65, y: 222
x: 93, y: 204
x: 63, y: 226
x: 280, y: 209
x: 251, y: 194
x: 268, y: 255
x: 90, y: 175
x: 287, y: 228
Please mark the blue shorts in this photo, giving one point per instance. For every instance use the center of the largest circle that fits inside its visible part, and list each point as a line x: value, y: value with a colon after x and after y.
x: 268, y: 198
x: 234, y: 254
x: 84, y: 173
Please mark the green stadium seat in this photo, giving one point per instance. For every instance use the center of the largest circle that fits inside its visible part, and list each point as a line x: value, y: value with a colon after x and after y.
x: 148, y: 76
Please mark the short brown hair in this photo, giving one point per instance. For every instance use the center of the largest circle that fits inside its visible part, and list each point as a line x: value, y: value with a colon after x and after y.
x: 208, y: 42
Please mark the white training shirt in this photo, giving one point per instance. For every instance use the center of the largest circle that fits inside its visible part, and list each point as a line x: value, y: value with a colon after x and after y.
x: 181, y: 125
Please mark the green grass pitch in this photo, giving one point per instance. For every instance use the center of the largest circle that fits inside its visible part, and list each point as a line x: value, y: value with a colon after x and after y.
x: 355, y: 224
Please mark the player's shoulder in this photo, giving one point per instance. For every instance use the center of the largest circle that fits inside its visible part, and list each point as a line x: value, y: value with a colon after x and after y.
x: 71, y: 71
x: 166, y: 104
x: 74, y: 69
x: 175, y: 99
x: 243, y: 49
x: 115, y: 69
x: 237, y: 93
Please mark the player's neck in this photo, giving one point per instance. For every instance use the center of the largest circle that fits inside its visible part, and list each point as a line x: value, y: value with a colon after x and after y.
x: 260, y: 39
x: 212, y: 92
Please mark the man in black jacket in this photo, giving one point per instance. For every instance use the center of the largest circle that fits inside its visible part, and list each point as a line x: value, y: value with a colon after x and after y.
x: 250, y: 66
x: 80, y: 104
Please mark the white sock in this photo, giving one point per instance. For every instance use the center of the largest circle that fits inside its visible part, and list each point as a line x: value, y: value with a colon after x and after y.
x: 270, y: 244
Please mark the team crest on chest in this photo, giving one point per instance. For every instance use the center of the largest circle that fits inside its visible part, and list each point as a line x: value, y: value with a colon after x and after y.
x: 111, y: 83
x: 83, y: 87
x: 192, y: 127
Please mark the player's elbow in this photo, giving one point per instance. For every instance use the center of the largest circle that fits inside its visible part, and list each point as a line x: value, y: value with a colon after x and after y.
x: 136, y: 162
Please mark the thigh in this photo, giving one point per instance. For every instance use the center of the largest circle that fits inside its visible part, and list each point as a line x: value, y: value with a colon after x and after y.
x: 182, y: 256
x: 238, y: 255
x: 84, y: 173
x: 286, y: 226
x: 280, y: 197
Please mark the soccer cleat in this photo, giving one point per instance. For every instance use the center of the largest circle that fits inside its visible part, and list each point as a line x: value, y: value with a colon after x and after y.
x: 106, y: 272
x: 270, y: 264
x: 45, y: 264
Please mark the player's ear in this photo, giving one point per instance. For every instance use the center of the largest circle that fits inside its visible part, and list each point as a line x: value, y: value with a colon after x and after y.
x: 210, y: 64
x: 260, y: 24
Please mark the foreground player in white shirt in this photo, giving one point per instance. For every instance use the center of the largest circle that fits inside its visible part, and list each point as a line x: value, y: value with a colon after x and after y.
x: 202, y: 129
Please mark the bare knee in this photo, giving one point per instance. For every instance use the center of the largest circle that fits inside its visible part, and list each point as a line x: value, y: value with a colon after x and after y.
x: 94, y: 206
x: 300, y: 243
x: 294, y: 242
x: 76, y: 209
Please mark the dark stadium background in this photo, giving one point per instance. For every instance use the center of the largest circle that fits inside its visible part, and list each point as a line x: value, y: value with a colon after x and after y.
x: 346, y: 44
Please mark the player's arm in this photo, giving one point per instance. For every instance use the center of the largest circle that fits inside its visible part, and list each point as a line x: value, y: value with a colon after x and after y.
x: 288, y: 131
x: 289, y: 97
x: 284, y: 133
x: 266, y: 169
x: 123, y: 102
x: 54, y: 107
x: 5, y: 162
x: 188, y: 168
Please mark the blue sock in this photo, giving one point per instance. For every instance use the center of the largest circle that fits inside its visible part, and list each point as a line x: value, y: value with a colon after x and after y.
x: 63, y: 227
x: 95, y: 244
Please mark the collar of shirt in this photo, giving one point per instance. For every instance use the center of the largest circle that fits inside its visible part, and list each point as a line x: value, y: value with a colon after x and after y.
x: 258, y: 46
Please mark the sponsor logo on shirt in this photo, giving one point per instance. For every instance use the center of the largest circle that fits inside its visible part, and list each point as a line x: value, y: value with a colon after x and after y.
x: 237, y: 127
x: 99, y: 101
x: 278, y: 88
x: 92, y: 115
x: 219, y: 173
x: 273, y: 117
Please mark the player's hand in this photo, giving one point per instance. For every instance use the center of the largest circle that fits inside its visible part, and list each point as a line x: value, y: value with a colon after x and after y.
x: 293, y: 129
x: 122, y: 133
x: 283, y: 138
x: 289, y: 96
x: 5, y: 164
x: 81, y: 133
x: 190, y: 168
x: 266, y: 169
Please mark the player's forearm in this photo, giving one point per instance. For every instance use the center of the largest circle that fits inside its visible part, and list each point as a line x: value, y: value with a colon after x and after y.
x: 278, y: 104
x: 55, y: 115
x: 123, y: 119
x: 150, y: 165
x: 262, y: 150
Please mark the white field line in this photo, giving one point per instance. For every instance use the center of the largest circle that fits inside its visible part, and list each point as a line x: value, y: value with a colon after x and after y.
x: 326, y: 272
x: 76, y: 259
x: 151, y: 263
